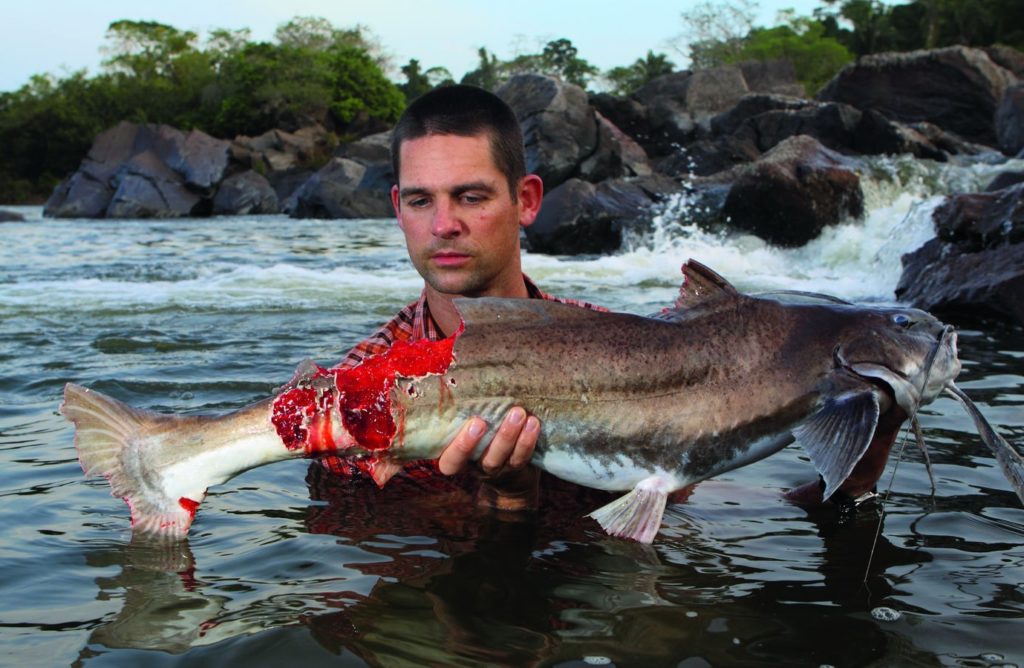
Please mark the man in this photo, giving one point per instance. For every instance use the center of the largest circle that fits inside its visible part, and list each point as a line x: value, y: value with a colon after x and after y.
x: 462, y: 195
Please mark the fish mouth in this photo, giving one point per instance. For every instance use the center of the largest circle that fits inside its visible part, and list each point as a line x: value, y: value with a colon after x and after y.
x: 923, y: 385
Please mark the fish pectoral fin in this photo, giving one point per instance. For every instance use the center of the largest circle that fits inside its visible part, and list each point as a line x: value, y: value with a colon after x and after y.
x: 637, y: 514
x: 838, y: 435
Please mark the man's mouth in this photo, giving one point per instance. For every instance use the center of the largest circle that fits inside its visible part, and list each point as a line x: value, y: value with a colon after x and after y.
x: 449, y: 258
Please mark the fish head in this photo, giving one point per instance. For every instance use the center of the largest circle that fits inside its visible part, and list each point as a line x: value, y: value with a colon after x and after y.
x: 908, y: 351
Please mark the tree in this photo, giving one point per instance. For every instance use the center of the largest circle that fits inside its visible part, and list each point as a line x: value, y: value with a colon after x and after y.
x: 815, y: 57
x: 418, y: 82
x: 627, y: 80
x: 715, y: 31
x: 561, y: 58
x: 487, y: 74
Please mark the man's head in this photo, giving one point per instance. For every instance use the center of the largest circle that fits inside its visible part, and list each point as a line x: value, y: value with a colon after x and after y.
x: 464, y: 111
x: 462, y: 196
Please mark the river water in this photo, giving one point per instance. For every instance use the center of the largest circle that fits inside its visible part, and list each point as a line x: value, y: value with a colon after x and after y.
x: 209, y: 315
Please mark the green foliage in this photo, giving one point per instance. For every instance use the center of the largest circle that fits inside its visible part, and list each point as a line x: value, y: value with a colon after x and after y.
x: 418, y: 82
x: 815, y: 58
x: 627, y: 80
x: 487, y: 74
x: 155, y: 73
x: 872, y: 26
x: 558, y: 58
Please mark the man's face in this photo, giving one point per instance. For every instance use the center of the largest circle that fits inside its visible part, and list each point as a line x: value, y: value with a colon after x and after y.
x: 461, y: 225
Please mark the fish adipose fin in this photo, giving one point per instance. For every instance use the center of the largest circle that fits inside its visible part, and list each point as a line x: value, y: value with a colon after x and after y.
x: 106, y: 432
x: 637, y: 515
x: 838, y: 435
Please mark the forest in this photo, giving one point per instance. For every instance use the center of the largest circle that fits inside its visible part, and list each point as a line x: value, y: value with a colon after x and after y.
x: 341, y: 78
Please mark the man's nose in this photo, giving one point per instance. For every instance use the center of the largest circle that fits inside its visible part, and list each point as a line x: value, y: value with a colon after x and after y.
x: 445, y: 223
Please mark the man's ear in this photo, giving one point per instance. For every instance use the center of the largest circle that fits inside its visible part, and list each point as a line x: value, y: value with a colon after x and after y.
x: 397, y: 204
x: 531, y: 192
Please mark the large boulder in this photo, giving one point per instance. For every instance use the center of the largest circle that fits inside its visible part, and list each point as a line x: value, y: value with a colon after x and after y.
x: 794, y: 191
x: 1010, y: 120
x: 10, y: 216
x: 956, y: 88
x: 559, y: 128
x: 616, y: 155
x: 143, y: 170
x: 775, y: 77
x: 245, y: 193
x: 581, y: 217
x: 343, y: 188
x: 975, y: 265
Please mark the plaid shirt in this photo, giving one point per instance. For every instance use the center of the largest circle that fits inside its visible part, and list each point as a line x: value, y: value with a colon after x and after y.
x: 414, y: 323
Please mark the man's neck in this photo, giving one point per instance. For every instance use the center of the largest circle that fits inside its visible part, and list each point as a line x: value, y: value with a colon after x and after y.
x: 446, y: 316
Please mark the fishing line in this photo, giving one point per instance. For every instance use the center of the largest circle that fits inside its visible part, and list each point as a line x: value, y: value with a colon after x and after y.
x: 882, y: 501
x: 929, y: 363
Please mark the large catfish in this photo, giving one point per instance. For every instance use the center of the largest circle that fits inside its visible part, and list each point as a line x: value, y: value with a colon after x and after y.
x: 645, y: 405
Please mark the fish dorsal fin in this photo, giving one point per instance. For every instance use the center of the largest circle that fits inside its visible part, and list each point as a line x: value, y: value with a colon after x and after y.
x: 838, y: 435
x: 701, y: 286
x: 506, y: 312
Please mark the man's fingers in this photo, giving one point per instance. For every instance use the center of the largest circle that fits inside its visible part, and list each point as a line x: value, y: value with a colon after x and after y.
x: 525, y: 444
x: 513, y: 443
x: 455, y: 457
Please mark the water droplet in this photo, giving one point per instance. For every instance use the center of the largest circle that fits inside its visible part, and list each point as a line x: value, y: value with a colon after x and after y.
x: 691, y: 614
x: 884, y: 614
x: 597, y: 661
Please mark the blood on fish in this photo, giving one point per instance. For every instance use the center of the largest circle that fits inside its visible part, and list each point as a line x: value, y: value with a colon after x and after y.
x: 361, y: 394
x: 189, y: 505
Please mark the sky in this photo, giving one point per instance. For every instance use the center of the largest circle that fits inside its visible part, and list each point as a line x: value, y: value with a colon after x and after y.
x: 62, y: 36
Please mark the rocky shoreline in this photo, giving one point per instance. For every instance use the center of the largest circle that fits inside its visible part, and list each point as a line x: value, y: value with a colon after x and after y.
x: 743, y: 140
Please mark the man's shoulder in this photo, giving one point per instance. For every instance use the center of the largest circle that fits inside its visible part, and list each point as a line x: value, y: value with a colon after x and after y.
x: 399, y: 328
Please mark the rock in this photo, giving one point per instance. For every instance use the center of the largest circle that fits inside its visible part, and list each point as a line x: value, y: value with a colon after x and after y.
x: 681, y: 105
x: 279, y: 151
x: 1010, y: 120
x: 975, y: 265
x: 877, y: 135
x: 615, y: 156
x: 751, y: 106
x: 832, y: 124
x: 343, y: 188
x: 709, y: 156
x: 777, y: 77
x: 581, y: 217
x: 149, y: 170
x: 245, y: 193
x: 956, y: 88
x: 625, y: 113
x: 1004, y: 180
x: 148, y: 188
x: 81, y: 195
x: 10, y: 216
x: 559, y: 127
x: 199, y: 158
x: 974, y: 221
x: 965, y: 287
x: 372, y: 149
x: 1008, y: 58
x: 793, y: 192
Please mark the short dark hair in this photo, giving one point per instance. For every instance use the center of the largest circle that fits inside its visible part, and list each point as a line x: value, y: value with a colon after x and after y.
x: 465, y: 111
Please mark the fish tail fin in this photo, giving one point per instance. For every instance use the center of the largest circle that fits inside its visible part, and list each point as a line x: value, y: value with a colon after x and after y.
x: 636, y: 515
x: 110, y: 440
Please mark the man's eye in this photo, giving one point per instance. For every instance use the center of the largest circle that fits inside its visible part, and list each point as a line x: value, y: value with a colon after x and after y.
x: 418, y: 202
x: 472, y: 199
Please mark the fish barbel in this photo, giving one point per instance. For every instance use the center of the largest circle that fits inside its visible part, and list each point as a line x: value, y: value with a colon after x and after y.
x: 644, y: 405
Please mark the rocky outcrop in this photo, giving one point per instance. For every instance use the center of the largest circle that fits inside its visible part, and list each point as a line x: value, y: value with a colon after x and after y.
x: 341, y: 189
x: 245, y: 193
x: 559, y: 127
x: 143, y: 171
x: 10, y: 216
x: 581, y: 217
x: 1009, y: 120
x: 956, y: 88
x: 793, y: 192
x: 975, y: 265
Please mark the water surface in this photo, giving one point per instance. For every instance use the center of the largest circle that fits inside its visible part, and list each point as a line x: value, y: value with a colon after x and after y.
x: 209, y: 315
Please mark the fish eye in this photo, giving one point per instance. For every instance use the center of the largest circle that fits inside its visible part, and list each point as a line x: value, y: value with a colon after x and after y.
x: 902, y: 320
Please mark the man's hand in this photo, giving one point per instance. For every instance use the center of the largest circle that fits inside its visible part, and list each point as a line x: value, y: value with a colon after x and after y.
x: 509, y: 484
